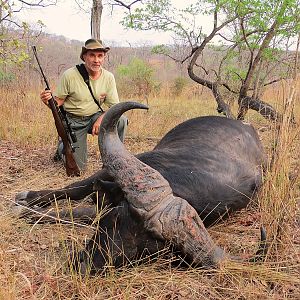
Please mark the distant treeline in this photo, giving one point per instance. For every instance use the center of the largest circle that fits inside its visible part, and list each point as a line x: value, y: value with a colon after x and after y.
x: 147, y: 72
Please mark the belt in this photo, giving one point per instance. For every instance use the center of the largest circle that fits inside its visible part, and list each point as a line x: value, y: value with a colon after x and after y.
x: 83, y: 118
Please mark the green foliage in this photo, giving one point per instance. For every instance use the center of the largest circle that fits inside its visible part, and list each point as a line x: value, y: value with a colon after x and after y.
x: 257, y: 16
x: 6, y: 77
x: 136, y: 78
x: 136, y: 69
x: 178, y: 85
x: 13, y: 51
x: 16, y: 35
x: 235, y: 73
x: 161, y: 15
x: 271, y: 54
x: 160, y: 49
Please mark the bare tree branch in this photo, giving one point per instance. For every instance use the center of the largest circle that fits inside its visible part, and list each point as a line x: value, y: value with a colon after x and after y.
x: 121, y: 3
x: 40, y: 3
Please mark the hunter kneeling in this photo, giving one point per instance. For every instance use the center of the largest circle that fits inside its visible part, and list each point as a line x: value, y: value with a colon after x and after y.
x: 82, y: 90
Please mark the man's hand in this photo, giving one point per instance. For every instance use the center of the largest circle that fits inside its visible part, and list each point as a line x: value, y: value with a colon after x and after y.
x: 96, y: 126
x: 102, y: 97
x: 46, y: 95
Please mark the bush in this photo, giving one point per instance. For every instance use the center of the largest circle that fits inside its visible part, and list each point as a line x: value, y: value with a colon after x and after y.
x: 178, y: 85
x: 6, y: 77
x: 136, y: 78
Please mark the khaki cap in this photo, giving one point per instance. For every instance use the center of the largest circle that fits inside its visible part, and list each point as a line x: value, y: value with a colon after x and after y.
x: 93, y: 44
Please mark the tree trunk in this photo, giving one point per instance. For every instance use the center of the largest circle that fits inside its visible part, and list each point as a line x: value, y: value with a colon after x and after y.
x: 96, y: 14
x: 244, y: 101
x: 265, y: 109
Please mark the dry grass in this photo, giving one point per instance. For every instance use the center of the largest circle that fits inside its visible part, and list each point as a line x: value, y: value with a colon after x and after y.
x: 33, y: 258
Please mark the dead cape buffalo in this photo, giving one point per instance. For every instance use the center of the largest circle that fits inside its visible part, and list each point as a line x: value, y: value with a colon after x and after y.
x: 199, y: 172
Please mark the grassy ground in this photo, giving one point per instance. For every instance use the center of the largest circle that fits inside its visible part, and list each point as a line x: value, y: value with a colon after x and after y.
x: 33, y: 258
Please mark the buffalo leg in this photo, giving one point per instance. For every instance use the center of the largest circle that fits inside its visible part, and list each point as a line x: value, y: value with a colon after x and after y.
x: 75, y: 191
x: 82, y: 214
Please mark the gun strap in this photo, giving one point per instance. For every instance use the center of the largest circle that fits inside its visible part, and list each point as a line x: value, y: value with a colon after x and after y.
x: 85, y: 75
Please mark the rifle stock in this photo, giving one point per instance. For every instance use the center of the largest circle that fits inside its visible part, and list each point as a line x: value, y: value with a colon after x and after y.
x: 70, y: 163
x: 65, y: 133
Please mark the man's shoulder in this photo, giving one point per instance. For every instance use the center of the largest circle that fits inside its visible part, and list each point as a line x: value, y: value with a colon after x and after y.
x: 71, y: 72
x: 107, y: 74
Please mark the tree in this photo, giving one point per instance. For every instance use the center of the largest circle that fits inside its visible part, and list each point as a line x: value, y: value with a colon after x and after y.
x: 9, y: 9
x: 250, y: 41
x: 13, y: 33
x: 95, y: 8
x: 96, y: 14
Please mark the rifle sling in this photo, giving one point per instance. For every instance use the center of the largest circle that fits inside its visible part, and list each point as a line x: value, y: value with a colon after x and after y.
x: 85, y: 75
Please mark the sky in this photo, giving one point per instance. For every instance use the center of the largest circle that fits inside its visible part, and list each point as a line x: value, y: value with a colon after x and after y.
x: 66, y: 19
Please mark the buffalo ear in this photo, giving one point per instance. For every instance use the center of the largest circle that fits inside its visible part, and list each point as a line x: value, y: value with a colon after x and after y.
x: 113, y: 192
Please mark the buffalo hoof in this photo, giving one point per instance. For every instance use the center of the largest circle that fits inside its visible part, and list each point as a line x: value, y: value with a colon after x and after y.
x: 22, y: 211
x: 21, y: 198
x: 18, y: 211
x: 79, y: 262
x: 83, y: 269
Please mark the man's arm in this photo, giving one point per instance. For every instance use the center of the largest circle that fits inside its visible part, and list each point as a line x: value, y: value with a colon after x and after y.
x: 112, y: 96
x: 97, y: 124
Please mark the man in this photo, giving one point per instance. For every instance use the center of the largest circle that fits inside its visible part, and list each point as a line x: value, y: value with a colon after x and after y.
x: 83, y: 112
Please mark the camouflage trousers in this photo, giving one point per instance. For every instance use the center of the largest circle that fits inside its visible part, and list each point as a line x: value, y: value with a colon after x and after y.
x: 82, y: 126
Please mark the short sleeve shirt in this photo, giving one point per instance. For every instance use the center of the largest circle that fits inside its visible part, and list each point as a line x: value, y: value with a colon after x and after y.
x: 78, y: 99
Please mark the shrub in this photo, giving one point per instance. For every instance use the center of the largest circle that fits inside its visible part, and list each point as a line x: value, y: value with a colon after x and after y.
x: 6, y: 77
x: 136, y: 78
x: 178, y: 85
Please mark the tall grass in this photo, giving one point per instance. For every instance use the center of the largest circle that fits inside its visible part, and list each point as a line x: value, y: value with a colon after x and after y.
x: 280, y: 197
x: 24, y: 119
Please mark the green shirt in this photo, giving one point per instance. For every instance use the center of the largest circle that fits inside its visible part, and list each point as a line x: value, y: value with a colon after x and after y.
x: 78, y: 99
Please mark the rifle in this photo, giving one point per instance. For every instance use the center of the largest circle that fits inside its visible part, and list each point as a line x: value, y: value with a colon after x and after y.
x: 63, y: 128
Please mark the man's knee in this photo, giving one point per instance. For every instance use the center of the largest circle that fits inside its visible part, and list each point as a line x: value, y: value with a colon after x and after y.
x: 123, y: 122
x: 122, y: 127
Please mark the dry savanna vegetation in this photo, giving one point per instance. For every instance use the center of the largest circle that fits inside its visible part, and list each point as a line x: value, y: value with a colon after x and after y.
x: 34, y: 257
